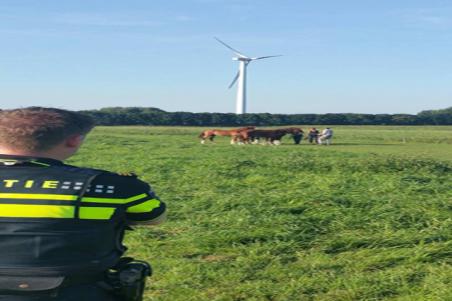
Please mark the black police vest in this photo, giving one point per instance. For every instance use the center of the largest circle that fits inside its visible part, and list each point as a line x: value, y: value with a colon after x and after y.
x: 54, y: 234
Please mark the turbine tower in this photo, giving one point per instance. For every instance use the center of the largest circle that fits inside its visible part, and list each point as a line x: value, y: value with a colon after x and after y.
x: 240, y: 106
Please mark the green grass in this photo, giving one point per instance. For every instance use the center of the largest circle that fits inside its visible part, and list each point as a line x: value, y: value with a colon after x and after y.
x: 368, y: 218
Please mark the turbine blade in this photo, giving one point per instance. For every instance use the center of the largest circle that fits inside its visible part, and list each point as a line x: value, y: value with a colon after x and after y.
x: 233, y: 50
x: 264, y: 57
x: 234, y: 80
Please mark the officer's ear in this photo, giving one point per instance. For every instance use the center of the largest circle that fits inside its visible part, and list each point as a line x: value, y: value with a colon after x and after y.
x: 74, y: 141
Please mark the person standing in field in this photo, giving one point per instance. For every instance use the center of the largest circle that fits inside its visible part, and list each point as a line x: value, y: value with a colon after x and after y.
x: 62, y: 226
x: 326, y: 136
x: 297, y: 137
x: 313, y: 135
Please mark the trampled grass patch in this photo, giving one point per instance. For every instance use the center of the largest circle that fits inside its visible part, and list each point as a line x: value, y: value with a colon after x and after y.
x: 368, y: 218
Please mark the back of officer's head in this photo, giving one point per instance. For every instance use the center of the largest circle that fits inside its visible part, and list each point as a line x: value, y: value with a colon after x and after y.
x: 38, y: 129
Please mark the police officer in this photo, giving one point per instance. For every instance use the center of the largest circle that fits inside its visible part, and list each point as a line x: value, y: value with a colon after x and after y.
x: 61, y: 226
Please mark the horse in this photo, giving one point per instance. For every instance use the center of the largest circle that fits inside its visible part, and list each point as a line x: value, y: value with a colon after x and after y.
x: 271, y: 136
x: 234, y: 133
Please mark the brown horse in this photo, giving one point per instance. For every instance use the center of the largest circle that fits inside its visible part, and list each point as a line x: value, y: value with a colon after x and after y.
x: 234, y: 133
x: 271, y: 136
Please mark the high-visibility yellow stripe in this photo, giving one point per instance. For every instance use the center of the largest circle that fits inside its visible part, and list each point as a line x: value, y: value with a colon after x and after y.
x: 96, y: 212
x: 39, y: 163
x: 65, y: 197
x: 38, y: 196
x: 54, y: 211
x: 37, y: 211
x: 114, y: 201
x: 144, y: 207
x: 103, y: 200
x: 137, y: 197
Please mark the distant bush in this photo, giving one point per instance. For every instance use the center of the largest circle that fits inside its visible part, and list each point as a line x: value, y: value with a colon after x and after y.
x: 154, y: 116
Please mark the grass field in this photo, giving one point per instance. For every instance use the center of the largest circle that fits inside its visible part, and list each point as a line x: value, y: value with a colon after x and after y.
x: 368, y: 218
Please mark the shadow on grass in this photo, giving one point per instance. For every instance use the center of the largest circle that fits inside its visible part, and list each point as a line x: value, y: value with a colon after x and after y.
x: 378, y: 144
x: 347, y: 144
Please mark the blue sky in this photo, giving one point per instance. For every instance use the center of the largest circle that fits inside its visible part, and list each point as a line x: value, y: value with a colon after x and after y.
x: 363, y: 56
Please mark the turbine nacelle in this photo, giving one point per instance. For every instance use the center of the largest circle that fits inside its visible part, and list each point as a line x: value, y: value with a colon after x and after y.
x: 241, y: 75
x: 242, y: 59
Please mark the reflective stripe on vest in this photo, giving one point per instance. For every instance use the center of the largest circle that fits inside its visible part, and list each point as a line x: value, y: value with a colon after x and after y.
x: 144, y: 207
x: 54, y: 211
x: 68, y: 211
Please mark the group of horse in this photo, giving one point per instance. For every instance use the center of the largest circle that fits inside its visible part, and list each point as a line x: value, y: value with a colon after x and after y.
x: 251, y: 135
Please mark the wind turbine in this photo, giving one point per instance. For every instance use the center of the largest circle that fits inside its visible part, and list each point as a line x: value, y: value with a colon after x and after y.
x: 240, y: 107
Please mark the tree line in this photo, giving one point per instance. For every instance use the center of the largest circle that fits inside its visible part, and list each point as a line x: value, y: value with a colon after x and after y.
x: 154, y: 116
